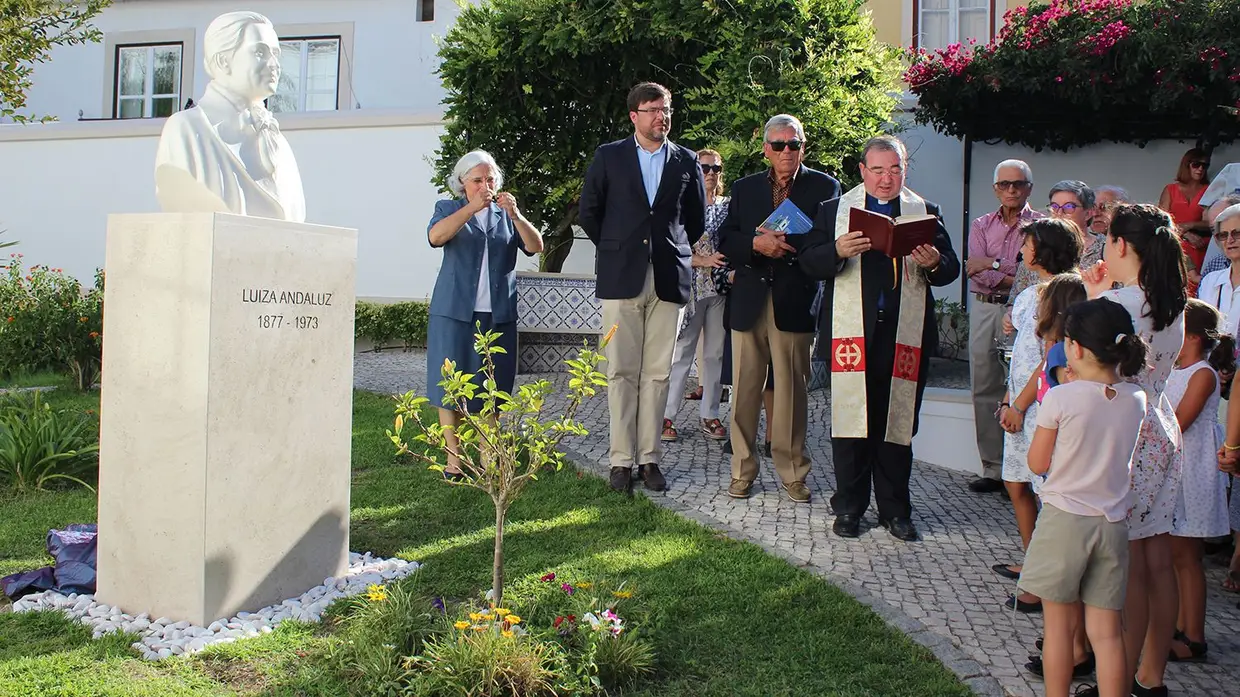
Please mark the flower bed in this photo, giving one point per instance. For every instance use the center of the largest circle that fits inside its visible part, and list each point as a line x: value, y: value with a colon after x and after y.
x: 1078, y: 72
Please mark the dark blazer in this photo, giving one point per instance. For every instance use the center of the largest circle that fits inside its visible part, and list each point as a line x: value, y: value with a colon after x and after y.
x: 819, y: 262
x: 630, y: 233
x: 456, y: 288
x: 792, y: 291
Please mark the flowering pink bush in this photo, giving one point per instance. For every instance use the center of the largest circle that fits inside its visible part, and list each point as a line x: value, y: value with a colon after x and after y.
x: 1076, y: 72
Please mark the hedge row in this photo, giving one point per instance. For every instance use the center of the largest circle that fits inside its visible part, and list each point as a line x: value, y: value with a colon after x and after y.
x: 392, y: 325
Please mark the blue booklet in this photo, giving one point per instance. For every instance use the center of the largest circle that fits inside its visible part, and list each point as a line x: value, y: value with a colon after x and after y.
x: 788, y: 219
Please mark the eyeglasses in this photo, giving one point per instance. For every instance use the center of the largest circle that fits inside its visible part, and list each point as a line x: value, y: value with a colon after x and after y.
x: 1195, y: 165
x: 881, y: 172
x: 1068, y: 208
x: 1227, y: 235
x: 711, y: 168
x: 1009, y: 185
x: 779, y: 145
x: 666, y: 111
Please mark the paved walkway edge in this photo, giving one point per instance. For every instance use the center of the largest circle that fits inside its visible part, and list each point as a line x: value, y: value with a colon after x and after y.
x: 970, y: 672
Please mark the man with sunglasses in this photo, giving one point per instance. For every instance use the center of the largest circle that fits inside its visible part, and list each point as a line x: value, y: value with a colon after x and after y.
x: 769, y: 308
x: 643, y: 205
x: 879, y: 314
x: 994, y: 244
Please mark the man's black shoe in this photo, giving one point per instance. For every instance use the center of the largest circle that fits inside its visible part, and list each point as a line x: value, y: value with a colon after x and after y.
x: 985, y: 485
x: 653, y: 477
x: 622, y: 480
x: 847, y: 525
x: 900, y: 528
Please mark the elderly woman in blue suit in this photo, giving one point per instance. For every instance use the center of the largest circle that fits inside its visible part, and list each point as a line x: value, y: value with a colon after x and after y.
x: 480, y: 232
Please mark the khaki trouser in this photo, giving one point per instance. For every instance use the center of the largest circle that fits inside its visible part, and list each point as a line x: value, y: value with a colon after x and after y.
x: 638, y: 367
x: 989, y: 381
x: 788, y: 353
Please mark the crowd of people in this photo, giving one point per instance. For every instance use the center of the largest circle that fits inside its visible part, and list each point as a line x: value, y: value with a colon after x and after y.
x: 1104, y: 428
x: 1100, y: 352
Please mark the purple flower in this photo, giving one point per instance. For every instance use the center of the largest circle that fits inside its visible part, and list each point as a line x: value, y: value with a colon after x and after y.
x: 566, y: 588
x: 437, y: 603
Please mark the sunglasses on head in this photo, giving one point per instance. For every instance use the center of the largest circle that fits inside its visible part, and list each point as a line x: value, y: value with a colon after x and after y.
x: 711, y: 168
x: 779, y: 145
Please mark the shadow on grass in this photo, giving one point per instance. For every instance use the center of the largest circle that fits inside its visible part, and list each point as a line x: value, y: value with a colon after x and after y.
x: 725, y: 617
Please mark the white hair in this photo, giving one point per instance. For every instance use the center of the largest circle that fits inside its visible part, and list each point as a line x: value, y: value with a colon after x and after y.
x: 1232, y: 211
x: 467, y: 162
x: 224, y: 35
x: 1121, y: 194
x: 781, y: 121
x: 1015, y: 164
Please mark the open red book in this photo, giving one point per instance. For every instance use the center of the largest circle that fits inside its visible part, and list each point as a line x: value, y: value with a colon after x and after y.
x: 894, y: 237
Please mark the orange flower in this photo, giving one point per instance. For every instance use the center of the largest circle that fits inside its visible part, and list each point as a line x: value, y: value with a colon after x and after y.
x: 610, y: 333
x: 12, y: 319
x: 94, y: 335
x: 83, y: 319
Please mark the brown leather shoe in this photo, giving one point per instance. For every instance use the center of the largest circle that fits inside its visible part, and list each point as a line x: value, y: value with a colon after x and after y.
x: 653, y: 478
x: 739, y: 489
x: 797, y: 491
x: 622, y: 480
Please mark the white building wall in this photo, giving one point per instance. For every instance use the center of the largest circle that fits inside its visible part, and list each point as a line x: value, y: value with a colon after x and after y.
x: 365, y: 170
x: 393, y: 62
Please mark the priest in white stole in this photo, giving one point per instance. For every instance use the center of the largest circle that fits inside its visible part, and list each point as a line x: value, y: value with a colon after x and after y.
x: 878, y: 313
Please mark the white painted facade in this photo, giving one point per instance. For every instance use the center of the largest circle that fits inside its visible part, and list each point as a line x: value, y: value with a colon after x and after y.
x: 367, y: 164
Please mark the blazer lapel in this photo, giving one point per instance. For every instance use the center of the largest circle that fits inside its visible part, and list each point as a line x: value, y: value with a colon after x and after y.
x: 671, y: 172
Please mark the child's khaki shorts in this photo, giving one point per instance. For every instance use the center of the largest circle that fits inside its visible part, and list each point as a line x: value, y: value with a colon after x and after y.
x: 1074, y: 557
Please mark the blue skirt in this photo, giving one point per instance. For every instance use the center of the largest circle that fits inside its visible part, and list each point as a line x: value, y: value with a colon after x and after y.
x: 447, y: 338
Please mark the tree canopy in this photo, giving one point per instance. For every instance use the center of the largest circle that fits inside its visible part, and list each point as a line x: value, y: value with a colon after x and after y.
x: 1077, y: 72
x: 29, y: 29
x: 541, y: 83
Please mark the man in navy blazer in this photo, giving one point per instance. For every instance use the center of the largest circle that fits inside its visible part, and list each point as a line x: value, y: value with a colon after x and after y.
x: 769, y: 308
x: 643, y: 205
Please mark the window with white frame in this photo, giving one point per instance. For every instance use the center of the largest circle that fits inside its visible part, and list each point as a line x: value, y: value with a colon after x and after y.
x: 309, y: 75
x: 943, y: 22
x: 148, y: 81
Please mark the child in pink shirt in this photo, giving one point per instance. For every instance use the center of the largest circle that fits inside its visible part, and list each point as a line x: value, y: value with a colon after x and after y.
x: 1086, y: 433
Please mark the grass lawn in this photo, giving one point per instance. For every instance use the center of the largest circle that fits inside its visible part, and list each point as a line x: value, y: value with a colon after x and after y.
x: 728, y: 619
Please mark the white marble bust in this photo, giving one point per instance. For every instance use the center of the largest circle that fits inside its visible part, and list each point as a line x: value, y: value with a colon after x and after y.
x: 227, y: 154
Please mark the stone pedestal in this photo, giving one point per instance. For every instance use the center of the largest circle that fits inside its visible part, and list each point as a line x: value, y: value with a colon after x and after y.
x: 226, y: 412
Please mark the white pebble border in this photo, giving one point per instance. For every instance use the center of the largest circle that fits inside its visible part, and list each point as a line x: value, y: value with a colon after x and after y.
x: 163, y: 637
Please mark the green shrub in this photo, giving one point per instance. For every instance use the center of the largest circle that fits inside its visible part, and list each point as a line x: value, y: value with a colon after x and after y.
x: 488, y: 662
x: 50, y: 323
x: 381, y: 324
x: 376, y: 631
x: 41, y: 446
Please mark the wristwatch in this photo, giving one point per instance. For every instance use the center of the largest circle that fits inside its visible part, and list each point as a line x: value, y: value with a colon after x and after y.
x: 995, y: 264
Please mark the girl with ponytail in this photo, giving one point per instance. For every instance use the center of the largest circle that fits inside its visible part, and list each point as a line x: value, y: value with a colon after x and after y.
x: 1143, y: 254
x: 1087, y: 430
x: 1201, y: 510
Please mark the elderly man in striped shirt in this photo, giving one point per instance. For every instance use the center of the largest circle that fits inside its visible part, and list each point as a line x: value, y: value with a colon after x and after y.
x: 995, y: 240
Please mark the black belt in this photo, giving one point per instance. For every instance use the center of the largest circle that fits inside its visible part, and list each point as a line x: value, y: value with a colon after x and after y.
x: 995, y: 298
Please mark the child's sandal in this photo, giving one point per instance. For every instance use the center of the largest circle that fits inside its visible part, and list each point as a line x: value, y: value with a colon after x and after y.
x: 1196, y: 650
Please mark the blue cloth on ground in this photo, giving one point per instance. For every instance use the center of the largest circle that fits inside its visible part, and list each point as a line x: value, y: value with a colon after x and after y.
x: 74, y: 550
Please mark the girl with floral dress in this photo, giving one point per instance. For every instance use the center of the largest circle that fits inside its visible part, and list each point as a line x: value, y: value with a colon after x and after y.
x: 1052, y: 246
x: 1143, y: 254
x: 1201, y: 510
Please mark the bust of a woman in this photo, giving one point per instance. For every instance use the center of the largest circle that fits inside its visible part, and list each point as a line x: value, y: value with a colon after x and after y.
x: 227, y: 154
